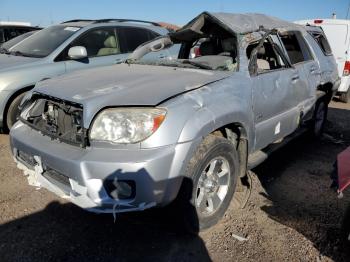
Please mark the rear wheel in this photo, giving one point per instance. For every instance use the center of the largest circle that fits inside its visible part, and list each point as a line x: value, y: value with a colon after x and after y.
x: 209, y: 183
x: 320, y: 117
x: 345, y: 97
x: 13, y: 111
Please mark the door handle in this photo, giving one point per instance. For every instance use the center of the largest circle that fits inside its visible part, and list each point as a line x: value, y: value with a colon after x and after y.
x: 313, y: 70
x: 295, y: 78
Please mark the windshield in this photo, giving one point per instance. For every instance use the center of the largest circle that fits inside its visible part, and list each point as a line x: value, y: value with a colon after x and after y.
x: 208, y: 54
x: 7, y: 45
x: 44, y: 42
x: 203, y: 44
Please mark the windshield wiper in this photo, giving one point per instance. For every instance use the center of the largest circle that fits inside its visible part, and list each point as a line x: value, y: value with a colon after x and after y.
x: 197, y: 64
x: 3, y: 50
x: 17, y: 53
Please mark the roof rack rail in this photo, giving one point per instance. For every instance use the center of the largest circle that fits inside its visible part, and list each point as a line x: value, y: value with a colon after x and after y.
x: 78, y: 20
x: 125, y: 20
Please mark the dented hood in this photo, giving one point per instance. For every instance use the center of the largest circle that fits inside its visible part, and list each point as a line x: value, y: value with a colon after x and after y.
x: 123, y: 85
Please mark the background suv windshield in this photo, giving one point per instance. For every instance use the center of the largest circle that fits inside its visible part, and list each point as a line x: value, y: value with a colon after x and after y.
x: 45, y: 42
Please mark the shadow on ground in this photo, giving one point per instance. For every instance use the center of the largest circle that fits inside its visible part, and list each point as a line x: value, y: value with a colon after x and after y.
x: 64, y: 232
x: 297, y: 184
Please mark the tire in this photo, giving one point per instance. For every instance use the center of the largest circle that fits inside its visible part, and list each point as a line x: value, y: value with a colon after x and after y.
x: 345, y: 97
x: 319, y: 118
x: 203, y: 198
x: 13, y: 111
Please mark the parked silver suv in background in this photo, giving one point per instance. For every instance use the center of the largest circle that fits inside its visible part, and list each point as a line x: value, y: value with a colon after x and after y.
x: 144, y: 133
x: 62, y: 48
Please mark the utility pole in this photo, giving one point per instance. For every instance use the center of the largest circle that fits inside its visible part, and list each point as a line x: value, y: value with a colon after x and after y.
x: 347, y: 14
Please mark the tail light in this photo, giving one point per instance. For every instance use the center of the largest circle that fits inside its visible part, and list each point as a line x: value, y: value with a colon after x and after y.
x: 197, y: 51
x: 346, y: 71
x: 318, y: 21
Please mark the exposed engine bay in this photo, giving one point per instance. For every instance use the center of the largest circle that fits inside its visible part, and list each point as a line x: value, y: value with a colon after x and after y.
x: 55, y: 118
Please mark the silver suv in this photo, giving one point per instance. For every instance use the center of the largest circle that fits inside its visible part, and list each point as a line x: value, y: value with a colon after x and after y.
x: 145, y: 133
x: 62, y: 48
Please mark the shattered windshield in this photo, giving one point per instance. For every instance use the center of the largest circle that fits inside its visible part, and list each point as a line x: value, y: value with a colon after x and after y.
x: 204, y: 44
x: 200, y: 56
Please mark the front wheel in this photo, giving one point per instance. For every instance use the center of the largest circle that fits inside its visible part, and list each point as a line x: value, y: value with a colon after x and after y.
x: 209, y: 183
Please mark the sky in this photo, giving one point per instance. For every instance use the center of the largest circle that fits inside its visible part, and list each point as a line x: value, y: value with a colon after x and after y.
x: 47, y: 12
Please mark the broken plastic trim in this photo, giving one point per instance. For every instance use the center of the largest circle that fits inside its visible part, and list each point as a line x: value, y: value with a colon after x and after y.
x: 253, y: 66
x: 54, y: 136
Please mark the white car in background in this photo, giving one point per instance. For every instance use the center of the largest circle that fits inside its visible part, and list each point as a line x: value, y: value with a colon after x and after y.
x: 337, y: 33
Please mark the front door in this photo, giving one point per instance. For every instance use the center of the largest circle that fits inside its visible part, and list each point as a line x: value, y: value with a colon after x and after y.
x: 103, y: 48
x: 275, y: 110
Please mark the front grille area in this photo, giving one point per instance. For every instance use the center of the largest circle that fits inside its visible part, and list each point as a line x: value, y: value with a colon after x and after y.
x: 26, y: 159
x: 57, y: 179
x: 56, y: 118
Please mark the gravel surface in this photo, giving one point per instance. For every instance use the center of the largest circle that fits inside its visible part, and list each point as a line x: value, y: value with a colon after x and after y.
x: 292, y: 215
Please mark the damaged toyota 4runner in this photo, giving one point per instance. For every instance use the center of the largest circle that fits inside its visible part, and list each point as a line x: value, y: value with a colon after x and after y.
x: 148, y: 132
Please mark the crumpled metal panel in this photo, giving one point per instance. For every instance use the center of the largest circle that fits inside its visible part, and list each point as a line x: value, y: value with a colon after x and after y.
x: 246, y: 23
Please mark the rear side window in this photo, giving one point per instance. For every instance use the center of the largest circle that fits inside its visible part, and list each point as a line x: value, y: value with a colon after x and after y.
x: 296, y: 47
x: 133, y: 37
x: 322, y: 42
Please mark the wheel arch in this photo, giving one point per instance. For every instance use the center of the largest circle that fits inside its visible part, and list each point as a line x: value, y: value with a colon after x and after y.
x: 16, y: 93
x: 327, y: 88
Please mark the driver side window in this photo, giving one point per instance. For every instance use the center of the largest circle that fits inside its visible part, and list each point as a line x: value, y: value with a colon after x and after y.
x: 98, y: 42
x: 268, y: 59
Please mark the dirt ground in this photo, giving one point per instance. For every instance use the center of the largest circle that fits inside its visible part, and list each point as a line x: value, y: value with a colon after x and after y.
x: 292, y: 215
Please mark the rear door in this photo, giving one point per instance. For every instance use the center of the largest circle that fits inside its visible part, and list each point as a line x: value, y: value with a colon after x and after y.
x: 307, y: 68
x: 319, y: 44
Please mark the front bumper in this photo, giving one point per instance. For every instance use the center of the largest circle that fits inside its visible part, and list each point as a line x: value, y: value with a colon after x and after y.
x: 155, y: 173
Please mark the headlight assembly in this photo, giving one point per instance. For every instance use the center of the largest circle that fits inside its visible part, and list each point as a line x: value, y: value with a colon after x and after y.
x: 126, y: 125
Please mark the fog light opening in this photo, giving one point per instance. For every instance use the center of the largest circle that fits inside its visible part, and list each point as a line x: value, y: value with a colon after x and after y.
x: 120, y: 189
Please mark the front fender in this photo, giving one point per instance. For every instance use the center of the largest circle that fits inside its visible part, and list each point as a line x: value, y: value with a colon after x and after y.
x: 199, y: 112
x: 208, y: 119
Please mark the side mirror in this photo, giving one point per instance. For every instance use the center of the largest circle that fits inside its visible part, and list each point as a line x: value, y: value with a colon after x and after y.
x: 77, y: 52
